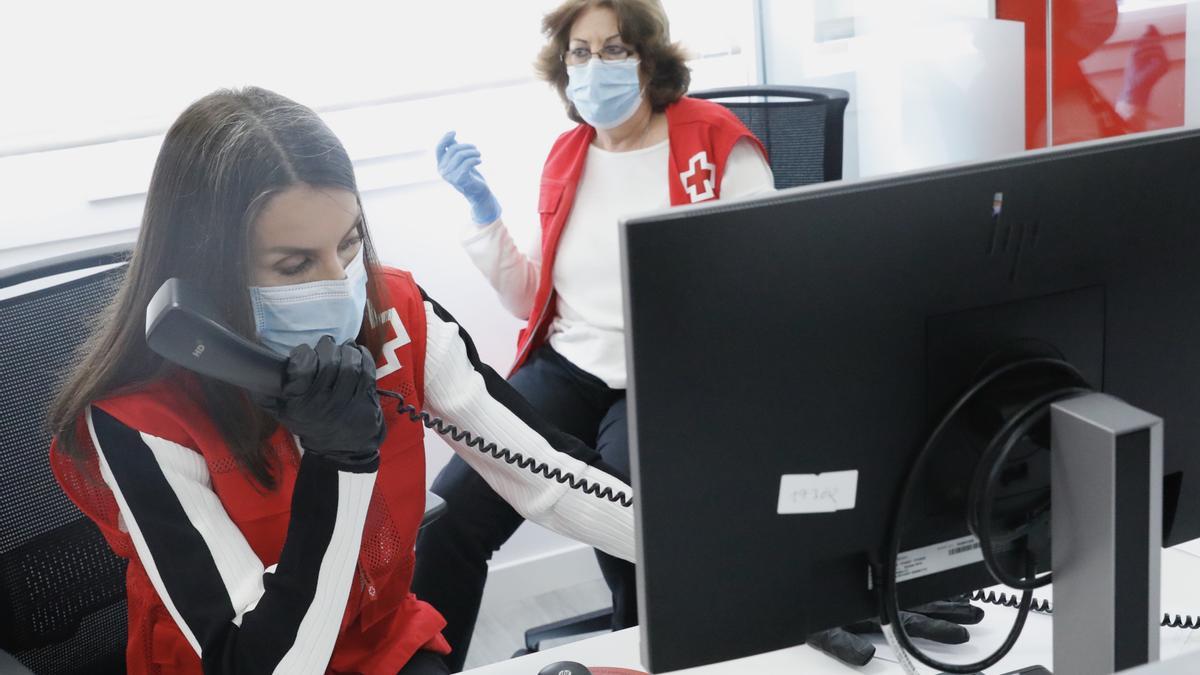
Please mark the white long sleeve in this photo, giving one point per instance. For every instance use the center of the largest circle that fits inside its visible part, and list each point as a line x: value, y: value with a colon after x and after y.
x: 512, y: 273
x: 465, y: 392
x: 746, y: 172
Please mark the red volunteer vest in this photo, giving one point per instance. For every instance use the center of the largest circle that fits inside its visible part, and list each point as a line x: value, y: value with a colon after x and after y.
x: 384, y: 623
x: 701, y: 135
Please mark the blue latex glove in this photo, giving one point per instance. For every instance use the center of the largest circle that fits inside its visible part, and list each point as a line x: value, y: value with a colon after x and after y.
x: 457, y: 164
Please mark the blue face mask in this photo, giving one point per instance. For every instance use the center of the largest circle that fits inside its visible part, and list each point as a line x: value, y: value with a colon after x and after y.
x: 605, y: 94
x: 287, y: 316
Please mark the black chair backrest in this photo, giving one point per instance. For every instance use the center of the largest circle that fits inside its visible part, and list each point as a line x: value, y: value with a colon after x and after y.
x: 802, y: 127
x: 62, y: 589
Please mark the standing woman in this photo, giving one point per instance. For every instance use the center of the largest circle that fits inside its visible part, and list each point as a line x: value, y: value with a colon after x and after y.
x: 276, y: 534
x: 640, y: 145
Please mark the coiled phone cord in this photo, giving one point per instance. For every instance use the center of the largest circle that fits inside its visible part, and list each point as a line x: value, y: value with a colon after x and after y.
x: 1046, y: 607
x: 504, y: 454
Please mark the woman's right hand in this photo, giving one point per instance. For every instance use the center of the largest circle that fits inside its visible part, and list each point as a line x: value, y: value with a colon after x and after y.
x: 330, y: 401
x: 458, y: 165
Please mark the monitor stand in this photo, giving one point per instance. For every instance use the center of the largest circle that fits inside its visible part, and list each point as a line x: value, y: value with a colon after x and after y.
x: 1106, y: 486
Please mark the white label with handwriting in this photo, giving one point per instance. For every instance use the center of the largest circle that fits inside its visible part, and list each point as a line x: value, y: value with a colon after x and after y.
x: 817, y: 492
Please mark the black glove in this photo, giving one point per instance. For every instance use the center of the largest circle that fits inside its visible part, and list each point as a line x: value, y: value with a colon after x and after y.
x: 330, y: 402
x: 940, y: 621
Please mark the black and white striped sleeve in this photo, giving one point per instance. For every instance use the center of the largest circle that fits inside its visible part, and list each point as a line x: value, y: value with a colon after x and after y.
x: 466, y: 392
x: 238, y: 616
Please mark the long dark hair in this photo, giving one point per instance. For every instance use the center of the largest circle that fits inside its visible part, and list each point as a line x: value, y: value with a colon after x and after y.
x: 221, y: 162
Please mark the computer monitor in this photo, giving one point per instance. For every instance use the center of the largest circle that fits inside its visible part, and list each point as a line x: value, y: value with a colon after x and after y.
x: 825, y: 329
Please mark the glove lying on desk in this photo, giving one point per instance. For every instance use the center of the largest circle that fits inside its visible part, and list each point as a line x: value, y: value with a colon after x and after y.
x: 940, y: 621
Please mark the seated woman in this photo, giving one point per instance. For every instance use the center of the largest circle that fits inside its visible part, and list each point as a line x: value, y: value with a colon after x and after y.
x: 276, y: 534
x: 640, y: 145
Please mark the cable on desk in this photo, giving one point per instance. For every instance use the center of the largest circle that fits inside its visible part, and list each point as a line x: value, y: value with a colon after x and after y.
x: 1040, y: 606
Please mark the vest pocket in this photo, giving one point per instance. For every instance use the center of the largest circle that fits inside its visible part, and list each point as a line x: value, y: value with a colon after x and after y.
x: 550, y: 196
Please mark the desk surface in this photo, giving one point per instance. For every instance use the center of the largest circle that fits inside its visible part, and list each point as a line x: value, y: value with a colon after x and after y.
x: 1181, y: 595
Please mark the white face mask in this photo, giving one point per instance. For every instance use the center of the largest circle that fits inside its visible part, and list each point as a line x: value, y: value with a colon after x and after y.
x: 606, y: 95
x: 288, y: 316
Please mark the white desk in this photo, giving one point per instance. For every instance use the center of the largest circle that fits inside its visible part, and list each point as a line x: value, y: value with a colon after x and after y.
x: 1181, y: 595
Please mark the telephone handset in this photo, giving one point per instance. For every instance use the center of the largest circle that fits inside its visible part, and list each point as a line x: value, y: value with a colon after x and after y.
x: 181, y: 326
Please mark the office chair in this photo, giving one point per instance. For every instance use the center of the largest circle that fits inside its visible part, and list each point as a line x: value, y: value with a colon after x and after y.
x: 62, y: 589
x: 802, y: 129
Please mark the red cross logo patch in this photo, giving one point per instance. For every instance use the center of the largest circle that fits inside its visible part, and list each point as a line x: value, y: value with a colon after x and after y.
x: 391, y: 348
x: 701, y: 178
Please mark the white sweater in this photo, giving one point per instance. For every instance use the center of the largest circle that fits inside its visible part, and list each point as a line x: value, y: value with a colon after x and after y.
x: 589, y: 327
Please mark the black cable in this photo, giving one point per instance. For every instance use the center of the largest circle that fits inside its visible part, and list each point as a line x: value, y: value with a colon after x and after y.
x: 1046, y: 607
x: 983, y: 487
x: 1178, y: 621
x: 1011, y: 601
x: 889, y: 589
x: 979, y: 520
x: 504, y: 454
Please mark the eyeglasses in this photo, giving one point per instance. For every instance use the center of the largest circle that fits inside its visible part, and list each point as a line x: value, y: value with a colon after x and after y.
x: 607, y: 54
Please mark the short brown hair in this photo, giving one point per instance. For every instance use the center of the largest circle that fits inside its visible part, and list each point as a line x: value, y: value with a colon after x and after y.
x: 644, y: 27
